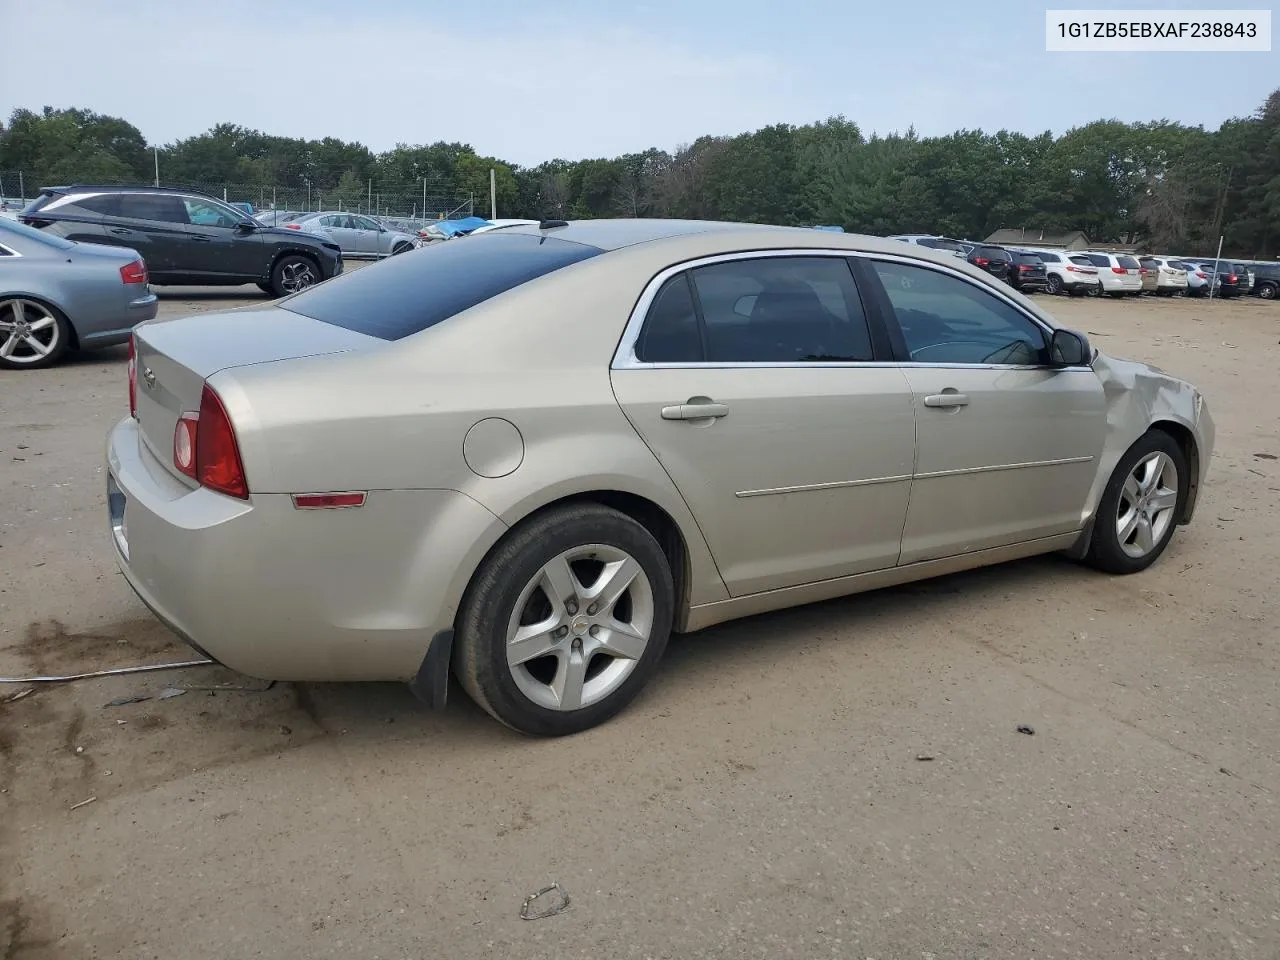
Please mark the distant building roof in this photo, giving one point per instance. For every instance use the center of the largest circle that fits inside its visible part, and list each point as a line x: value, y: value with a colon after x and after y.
x: 1029, y: 236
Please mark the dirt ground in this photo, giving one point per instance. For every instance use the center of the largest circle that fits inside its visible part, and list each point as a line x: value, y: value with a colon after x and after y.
x: 843, y: 780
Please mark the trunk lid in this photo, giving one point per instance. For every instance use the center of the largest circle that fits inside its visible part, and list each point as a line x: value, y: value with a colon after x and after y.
x: 175, y: 357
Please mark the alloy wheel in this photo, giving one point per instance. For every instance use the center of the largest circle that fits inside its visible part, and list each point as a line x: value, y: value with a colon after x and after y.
x: 1147, y: 504
x: 297, y: 275
x: 29, y: 332
x: 580, y: 627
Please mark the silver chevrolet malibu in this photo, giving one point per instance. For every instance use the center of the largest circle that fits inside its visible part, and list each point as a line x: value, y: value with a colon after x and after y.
x: 527, y: 458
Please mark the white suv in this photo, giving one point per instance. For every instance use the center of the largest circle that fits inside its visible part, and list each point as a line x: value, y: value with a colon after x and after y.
x: 1121, y: 274
x: 1068, y: 271
x: 935, y: 243
x: 1171, y: 275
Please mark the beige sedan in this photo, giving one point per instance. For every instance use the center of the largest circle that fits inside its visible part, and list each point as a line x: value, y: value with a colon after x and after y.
x: 527, y: 458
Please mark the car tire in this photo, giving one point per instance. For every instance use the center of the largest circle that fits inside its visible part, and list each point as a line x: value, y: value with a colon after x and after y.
x: 293, y: 273
x: 554, y: 688
x: 401, y: 248
x: 1267, y: 291
x: 1155, y: 470
x: 61, y: 334
x: 1095, y: 290
x: 1055, y: 284
x: 267, y: 289
x: 1118, y: 294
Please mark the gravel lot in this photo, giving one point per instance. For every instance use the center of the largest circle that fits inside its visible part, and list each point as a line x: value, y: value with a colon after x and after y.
x: 766, y: 797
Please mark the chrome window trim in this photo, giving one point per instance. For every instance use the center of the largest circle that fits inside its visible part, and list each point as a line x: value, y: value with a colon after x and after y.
x: 624, y: 357
x: 10, y: 253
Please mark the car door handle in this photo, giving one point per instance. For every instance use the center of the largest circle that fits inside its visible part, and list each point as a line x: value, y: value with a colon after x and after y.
x: 946, y: 400
x: 201, y: 238
x: 121, y: 231
x: 695, y: 411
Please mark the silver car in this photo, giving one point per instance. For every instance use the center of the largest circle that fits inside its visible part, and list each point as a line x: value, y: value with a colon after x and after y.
x: 529, y: 457
x: 357, y: 235
x: 57, y: 295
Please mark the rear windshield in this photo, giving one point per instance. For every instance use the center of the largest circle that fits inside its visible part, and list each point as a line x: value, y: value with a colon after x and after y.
x: 992, y: 253
x: 1128, y: 263
x: 407, y: 294
x: 1049, y: 257
x: 14, y: 228
x: 940, y: 243
x: 1082, y: 261
x: 1028, y: 258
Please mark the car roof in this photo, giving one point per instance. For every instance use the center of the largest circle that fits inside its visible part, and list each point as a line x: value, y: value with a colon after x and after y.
x: 125, y: 188
x: 614, y: 234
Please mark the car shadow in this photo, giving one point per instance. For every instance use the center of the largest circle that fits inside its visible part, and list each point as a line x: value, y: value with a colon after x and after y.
x: 371, y: 710
x: 247, y: 292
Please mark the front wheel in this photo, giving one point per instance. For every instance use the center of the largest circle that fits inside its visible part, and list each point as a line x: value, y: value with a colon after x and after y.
x: 294, y: 273
x: 32, y: 335
x: 1140, y: 506
x: 401, y: 248
x: 565, y: 621
x: 1055, y: 284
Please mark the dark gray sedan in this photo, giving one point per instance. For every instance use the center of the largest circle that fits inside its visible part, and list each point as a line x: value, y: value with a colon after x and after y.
x: 58, y: 295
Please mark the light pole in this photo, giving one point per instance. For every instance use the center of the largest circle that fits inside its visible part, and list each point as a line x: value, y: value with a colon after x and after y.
x: 308, y: 183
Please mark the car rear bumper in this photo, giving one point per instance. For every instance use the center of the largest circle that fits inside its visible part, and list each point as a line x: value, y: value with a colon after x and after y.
x: 136, y: 311
x: 286, y: 594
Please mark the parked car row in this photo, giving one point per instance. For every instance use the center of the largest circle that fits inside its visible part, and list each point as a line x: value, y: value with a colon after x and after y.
x: 1095, y: 272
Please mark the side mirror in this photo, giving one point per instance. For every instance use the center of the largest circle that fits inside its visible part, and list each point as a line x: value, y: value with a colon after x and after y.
x: 246, y: 226
x: 1067, y: 348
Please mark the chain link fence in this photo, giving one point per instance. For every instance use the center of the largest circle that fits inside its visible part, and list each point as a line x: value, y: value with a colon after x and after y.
x: 411, y: 201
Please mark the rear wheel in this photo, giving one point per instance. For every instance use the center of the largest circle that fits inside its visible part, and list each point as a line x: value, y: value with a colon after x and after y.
x: 266, y: 288
x: 1140, y: 506
x: 32, y: 334
x: 565, y: 621
x: 1055, y: 284
x: 1267, y: 291
x: 293, y: 273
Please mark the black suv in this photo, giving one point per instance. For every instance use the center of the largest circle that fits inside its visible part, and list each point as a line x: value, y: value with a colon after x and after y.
x: 997, y: 261
x: 1266, y: 280
x: 187, y: 237
x: 1028, y: 273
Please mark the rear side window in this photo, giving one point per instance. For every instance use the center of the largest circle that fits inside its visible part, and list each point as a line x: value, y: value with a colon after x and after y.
x: 160, y: 207
x: 671, y: 333
x: 781, y: 310
x: 409, y: 293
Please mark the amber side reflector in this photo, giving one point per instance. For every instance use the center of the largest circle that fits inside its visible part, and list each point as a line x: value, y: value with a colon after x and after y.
x: 327, y: 501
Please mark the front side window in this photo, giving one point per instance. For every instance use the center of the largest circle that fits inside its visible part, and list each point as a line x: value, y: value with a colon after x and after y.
x: 945, y: 319
x: 205, y: 214
x: 364, y: 223
x: 781, y: 310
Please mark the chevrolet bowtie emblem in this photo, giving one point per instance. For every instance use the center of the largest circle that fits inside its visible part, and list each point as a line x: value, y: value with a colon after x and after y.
x: 149, y: 376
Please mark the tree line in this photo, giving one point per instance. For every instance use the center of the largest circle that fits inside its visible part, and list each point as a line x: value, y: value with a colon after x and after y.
x: 1166, y: 185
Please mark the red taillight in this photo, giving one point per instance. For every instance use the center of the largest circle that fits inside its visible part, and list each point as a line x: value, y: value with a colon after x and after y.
x: 1120, y: 270
x: 1025, y: 266
x: 1202, y: 275
x: 292, y: 226
x: 135, y: 272
x: 1232, y: 278
x: 981, y: 261
x: 133, y: 379
x: 218, y: 465
x: 184, y: 443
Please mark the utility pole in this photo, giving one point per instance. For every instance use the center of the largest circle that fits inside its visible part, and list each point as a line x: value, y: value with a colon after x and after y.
x: 424, y: 198
x: 156, y: 152
x: 1214, y: 278
x: 493, y: 194
x: 22, y: 188
x: 369, y: 205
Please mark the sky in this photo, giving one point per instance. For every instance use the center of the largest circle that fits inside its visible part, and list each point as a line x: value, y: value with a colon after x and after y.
x: 532, y: 80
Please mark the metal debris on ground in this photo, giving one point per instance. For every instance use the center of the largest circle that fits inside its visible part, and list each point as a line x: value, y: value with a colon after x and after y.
x: 924, y: 756
x: 145, y: 668
x: 83, y: 803
x: 19, y: 695
x: 170, y: 692
x: 124, y: 701
x: 1266, y: 456
x: 1027, y: 729
x: 555, y: 904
